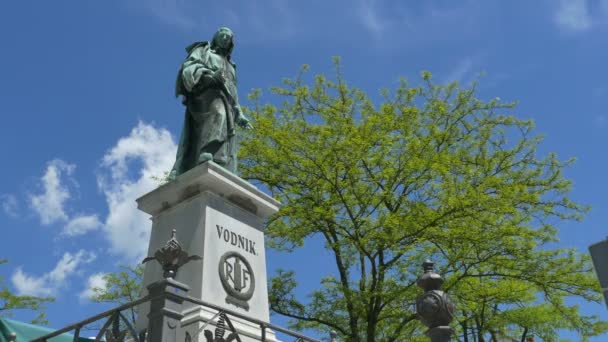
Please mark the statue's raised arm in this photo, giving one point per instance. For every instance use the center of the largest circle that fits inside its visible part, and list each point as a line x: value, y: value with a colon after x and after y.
x: 207, y: 82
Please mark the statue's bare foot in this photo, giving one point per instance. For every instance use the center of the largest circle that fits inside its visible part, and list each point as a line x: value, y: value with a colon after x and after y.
x: 205, y: 157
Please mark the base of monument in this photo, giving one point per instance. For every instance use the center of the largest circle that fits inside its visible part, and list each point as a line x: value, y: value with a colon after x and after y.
x: 197, y: 320
x: 219, y: 217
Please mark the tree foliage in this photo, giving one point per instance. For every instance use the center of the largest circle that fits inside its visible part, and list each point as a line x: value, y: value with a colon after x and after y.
x: 10, y: 302
x: 432, y: 171
x: 122, y: 287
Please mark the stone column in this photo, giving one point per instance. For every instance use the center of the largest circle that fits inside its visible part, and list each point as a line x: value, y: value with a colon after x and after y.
x: 165, y: 310
x: 220, y: 217
x: 599, y: 256
x: 434, y: 307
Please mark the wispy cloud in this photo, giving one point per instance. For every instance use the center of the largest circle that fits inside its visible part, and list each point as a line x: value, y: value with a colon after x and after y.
x: 9, y: 204
x: 468, y: 68
x: 400, y: 24
x: 463, y: 69
x: 49, y: 205
x: 367, y: 11
x: 95, y: 281
x: 573, y: 15
x: 387, y: 23
x: 273, y: 19
x: 128, y: 229
x: 51, y: 282
x: 171, y: 12
x: 268, y: 20
x: 80, y: 225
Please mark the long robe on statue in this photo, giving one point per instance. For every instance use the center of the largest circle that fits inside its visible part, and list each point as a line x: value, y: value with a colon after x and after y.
x: 211, y: 110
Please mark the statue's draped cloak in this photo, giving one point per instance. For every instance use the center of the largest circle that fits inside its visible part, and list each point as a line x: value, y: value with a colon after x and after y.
x: 209, y: 122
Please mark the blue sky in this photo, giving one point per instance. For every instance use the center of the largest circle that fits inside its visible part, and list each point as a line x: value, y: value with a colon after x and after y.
x: 88, y: 113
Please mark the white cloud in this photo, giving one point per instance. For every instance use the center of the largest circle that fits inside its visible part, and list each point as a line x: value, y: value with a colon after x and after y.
x: 9, y: 204
x: 95, y: 281
x: 49, y: 205
x: 49, y: 283
x: 150, y: 152
x: 573, y: 15
x: 30, y: 285
x: 80, y: 225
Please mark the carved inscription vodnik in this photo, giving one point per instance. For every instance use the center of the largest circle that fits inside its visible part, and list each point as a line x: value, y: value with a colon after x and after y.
x: 235, y: 239
x: 235, y: 271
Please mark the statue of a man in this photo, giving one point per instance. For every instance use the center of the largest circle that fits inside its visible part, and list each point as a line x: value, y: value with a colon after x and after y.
x: 207, y: 81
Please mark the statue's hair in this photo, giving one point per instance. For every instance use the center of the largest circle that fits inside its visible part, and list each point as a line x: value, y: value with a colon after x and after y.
x: 216, y: 35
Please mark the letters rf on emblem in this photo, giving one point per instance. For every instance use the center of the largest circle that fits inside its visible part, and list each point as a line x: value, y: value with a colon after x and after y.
x: 237, y: 279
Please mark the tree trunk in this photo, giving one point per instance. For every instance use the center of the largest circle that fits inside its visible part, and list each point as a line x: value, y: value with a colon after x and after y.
x: 465, y: 334
x: 524, y: 335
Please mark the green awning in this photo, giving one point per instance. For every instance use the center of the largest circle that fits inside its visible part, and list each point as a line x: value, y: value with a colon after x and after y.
x: 28, y: 332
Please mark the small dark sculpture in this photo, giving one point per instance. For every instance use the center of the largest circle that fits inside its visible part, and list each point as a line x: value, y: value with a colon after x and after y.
x: 220, y: 331
x: 112, y: 337
x: 434, y: 307
x: 207, y: 82
x: 171, y: 257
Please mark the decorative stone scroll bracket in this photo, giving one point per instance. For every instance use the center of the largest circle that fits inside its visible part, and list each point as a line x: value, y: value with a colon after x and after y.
x: 166, y: 304
x: 171, y: 257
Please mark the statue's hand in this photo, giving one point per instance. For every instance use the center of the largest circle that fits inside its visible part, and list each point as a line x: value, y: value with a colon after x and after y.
x: 242, y: 121
x: 218, y: 77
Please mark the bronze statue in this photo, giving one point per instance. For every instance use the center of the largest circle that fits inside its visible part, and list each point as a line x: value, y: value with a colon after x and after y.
x: 207, y: 82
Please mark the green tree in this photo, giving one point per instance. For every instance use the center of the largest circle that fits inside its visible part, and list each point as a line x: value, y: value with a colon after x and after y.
x: 10, y: 302
x: 508, y: 308
x: 433, y: 172
x: 122, y: 287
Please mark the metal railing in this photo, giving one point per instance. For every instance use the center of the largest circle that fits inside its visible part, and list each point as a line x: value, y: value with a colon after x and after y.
x: 166, y: 297
x: 111, y: 330
x: 114, y: 317
x: 434, y: 307
x: 263, y: 325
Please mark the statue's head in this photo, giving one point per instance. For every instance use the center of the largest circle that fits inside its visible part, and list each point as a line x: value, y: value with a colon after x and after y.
x: 223, y: 40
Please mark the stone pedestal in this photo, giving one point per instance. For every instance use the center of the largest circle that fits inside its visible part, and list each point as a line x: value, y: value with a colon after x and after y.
x: 166, y: 311
x: 440, y: 334
x: 219, y: 217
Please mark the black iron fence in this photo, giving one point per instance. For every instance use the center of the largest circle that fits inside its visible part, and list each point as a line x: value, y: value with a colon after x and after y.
x: 166, y: 298
x: 434, y: 307
x: 118, y: 328
x: 113, y: 319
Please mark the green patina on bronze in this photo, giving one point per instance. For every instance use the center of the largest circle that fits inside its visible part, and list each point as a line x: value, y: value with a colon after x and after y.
x: 207, y: 81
